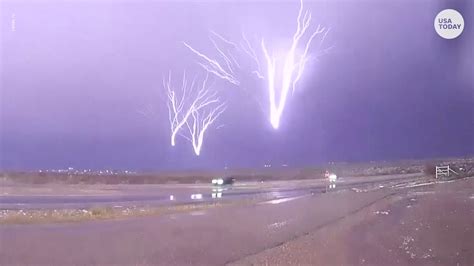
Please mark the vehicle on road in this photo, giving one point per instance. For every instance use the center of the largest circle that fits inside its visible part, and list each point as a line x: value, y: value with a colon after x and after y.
x: 223, y: 181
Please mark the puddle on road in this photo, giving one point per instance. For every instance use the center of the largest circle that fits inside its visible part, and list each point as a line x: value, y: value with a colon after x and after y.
x: 420, y: 193
x: 278, y: 201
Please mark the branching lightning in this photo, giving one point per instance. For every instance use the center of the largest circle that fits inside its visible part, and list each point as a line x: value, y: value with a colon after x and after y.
x: 248, y: 49
x: 201, y: 120
x: 223, y: 67
x: 283, y: 71
x: 292, y: 68
x: 193, y: 106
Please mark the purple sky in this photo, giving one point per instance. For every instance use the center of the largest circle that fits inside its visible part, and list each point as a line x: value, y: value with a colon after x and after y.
x: 74, y: 75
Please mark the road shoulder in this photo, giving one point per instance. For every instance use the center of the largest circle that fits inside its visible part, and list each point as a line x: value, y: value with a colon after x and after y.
x: 431, y: 225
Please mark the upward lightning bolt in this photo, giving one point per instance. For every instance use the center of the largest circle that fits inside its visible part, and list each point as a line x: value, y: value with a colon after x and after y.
x: 290, y: 65
x: 292, y: 68
x: 190, y: 101
x: 200, y: 124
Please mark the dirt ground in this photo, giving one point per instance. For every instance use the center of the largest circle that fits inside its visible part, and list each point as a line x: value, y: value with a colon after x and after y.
x: 429, y: 226
x: 410, y: 223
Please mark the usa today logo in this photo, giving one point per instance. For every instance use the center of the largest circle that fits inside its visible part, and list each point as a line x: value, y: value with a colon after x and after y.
x: 449, y: 24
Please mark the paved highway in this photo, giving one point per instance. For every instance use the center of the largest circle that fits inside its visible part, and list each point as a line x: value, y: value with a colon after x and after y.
x: 64, y: 197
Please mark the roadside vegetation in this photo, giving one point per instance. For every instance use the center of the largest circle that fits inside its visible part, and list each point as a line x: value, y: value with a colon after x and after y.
x: 107, y: 213
x: 275, y: 172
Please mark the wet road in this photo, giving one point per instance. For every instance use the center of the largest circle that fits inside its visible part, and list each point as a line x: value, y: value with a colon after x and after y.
x: 138, y: 195
x: 211, y: 237
x: 204, y: 237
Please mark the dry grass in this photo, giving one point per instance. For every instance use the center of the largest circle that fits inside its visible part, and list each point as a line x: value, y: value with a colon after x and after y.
x: 257, y: 174
x: 101, y: 213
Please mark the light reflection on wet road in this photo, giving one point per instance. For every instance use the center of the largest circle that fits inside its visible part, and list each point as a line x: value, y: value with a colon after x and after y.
x: 204, y: 237
x: 172, y: 195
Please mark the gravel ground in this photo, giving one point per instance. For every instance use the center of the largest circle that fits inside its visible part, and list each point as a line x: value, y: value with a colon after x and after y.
x: 432, y: 225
